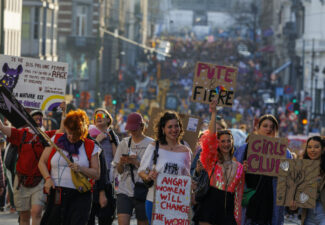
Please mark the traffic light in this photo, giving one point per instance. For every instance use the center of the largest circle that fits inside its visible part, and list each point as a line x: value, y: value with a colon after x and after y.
x: 296, y: 106
x: 303, y: 117
x: 76, y: 93
x: 114, y: 102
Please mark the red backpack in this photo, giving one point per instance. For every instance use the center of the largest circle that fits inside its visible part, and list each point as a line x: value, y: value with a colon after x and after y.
x: 89, y: 147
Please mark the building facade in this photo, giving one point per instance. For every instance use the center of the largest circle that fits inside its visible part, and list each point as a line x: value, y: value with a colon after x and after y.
x: 39, y: 29
x: 10, y: 27
x: 78, y: 23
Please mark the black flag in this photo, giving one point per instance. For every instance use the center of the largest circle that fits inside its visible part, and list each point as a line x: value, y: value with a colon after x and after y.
x: 16, y: 113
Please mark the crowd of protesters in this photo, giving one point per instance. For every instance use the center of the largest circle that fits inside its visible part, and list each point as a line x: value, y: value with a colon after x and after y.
x: 88, y: 172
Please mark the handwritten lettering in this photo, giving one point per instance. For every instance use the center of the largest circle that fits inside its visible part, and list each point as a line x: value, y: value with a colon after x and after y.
x: 214, y: 71
x: 176, y: 207
x: 174, y: 181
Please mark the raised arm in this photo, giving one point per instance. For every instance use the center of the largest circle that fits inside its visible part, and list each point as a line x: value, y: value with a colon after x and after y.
x: 63, y: 107
x: 212, y: 124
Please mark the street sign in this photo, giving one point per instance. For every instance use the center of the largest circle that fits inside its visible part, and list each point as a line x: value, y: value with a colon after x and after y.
x: 289, y: 106
x: 293, y: 117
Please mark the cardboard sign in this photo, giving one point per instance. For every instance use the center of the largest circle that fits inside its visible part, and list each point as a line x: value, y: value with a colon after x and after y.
x: 172, y: 203
x: 35, y: 83
x: 298, y: 181
x: 264, y: 154
x: 191, y: 126
x: 212, y: 82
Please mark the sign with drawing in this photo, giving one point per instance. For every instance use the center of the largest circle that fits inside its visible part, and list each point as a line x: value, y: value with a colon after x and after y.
x: 297, y: 181
x: 35, y: 83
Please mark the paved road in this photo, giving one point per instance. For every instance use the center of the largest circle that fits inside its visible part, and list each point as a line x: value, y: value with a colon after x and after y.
x: 7, y: 218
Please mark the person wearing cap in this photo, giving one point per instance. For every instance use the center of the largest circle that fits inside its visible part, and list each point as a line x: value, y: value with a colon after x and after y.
x: 126, y: 162
x: 103, y: 197
x: 28, y: 185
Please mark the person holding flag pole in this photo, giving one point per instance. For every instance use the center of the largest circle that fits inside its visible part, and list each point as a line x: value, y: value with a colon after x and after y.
x: 28, y: 185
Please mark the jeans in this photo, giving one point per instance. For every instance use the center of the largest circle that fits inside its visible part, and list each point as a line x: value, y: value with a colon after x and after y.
x: 149, y: 210
x: 315, y: 216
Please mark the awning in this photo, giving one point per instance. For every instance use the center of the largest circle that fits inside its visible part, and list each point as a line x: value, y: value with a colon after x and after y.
x: 278, y: 70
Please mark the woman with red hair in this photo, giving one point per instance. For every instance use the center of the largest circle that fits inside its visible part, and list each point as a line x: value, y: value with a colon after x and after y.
x: 66, y: 204
x: 222, y: 202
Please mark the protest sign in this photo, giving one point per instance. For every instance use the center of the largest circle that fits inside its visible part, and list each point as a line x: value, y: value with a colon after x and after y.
x: 297, y: 181
x: 212, y: 82
x: 172, y: 200
x: 264, y: 154
x: 191, y: 126
x: 35, y: 83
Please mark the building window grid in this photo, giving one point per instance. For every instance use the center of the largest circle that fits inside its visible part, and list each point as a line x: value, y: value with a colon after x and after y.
x: 81, y: 20
x: 26, y: 28
x: 36, y: 23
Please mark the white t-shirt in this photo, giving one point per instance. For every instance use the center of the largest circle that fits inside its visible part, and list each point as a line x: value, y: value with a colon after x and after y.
x: 168, y: 162
x: 61, y: 172
x: 126, y: 185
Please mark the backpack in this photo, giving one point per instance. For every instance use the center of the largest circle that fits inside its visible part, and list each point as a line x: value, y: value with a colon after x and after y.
x: 11, y: 155
x: 81, y: 182
x: 89, y: 147
x: 27, y: 162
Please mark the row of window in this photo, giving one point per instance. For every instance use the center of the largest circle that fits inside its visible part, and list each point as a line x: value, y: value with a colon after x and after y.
x: 31, y: 22
x: 13, y: 5
x: 12, y: 37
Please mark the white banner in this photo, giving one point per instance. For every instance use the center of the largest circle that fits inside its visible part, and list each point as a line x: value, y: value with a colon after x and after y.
x: 172, y: 200
x: 35, y: 83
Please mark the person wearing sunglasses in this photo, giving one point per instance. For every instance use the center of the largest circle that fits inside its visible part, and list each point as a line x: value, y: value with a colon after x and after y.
x: 221, y: 204
x: 103, y: 196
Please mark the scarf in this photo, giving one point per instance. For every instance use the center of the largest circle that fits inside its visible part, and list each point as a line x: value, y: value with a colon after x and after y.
x: 66, y: 145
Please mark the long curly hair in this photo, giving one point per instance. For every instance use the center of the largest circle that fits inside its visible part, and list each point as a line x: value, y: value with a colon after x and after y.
x: 321, y: 140
x: 161, y: 123
x: 77, y: 122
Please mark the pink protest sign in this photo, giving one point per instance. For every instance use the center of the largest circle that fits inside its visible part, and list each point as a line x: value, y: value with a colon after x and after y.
x: 172, y: 200
x: 264, y: 154
x: 213, y: 82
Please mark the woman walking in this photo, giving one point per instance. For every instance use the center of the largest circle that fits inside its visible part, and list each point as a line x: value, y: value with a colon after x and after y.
x: 314, y: 150
x: 222, y: 202
x: 262, y: 208
x: 66, y: 205
x: 174, y: 158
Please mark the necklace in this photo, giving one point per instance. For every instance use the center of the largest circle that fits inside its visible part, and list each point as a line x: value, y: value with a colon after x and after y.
x: 227, y: 175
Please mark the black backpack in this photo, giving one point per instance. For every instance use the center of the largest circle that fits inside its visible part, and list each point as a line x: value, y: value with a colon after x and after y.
x: 11, y: 156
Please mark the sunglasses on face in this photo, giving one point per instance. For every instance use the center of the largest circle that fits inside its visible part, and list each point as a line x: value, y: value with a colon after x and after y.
x: 100, y: 115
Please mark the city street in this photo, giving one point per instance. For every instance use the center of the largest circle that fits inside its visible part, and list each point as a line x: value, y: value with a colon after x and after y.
x: 177, y: 102
x: 7, y: 218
